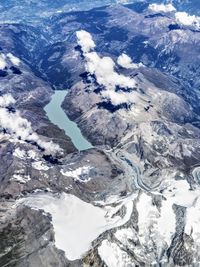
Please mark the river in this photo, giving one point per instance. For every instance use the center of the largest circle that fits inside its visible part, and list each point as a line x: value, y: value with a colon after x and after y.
x: 58, y: 117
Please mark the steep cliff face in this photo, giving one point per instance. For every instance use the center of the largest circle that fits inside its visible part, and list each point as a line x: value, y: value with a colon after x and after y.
x: 133, y: 89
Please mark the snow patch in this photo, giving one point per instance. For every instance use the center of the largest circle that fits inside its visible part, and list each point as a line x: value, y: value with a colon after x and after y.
x: 32, y: 154
x: 167, y: 221
x: 147, y: 215
x: 179, y: 192
x: 125, y: 234
x: 22, y: 154
x: 39, y: 165
x: 80, y: 174
x: 192, y: 222
x: 23, y: 179
x: 163, y: 222
x: 19, y: 153
x: 113, y: 256
x: 196, y: 174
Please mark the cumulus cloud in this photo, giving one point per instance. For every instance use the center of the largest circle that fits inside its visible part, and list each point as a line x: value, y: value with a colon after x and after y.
x: 85, y: 41
x: 116, y: 98
x: 2, y: 62
x: 102, y: 67
x: 15, y: 60
x: 6, y: 100
x: 186, y: 19
x: 20, y: 127
x: 126, y: 62
x: 104, y: 70
x: 120, y: 97
x: 161, y: 8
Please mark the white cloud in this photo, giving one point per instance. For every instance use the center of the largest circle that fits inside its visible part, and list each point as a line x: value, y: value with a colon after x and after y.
x: 6, y: 100
x: 186, y: 19
x: 161, y: 8
x: 85, y: 41
x: 2, y: 62
x: 20, y: 127
x: 121, y: 97
x: 15, y: 60
x: 104, y: 69
x: 116, y: 98
x: 126, y: 62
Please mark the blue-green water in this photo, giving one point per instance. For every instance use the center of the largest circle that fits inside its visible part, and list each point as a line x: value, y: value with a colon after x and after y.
x: 57, y: 116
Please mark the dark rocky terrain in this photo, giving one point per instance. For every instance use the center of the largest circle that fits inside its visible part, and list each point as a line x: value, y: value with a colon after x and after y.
x: 142, y: 176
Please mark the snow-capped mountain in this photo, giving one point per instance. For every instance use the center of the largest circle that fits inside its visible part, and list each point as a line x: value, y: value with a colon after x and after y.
x: 131, y: 77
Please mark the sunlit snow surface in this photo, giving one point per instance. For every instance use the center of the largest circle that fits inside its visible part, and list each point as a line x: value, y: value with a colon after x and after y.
x: 80, y: 174
x: 113, y: 256
x: 77, y: 223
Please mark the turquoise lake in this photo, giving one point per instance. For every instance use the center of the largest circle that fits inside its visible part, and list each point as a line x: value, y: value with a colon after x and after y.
x: 57, y: 116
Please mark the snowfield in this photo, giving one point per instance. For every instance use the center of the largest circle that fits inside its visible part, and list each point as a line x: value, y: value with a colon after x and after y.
x: 77, y: 223
x: 113, y: 256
